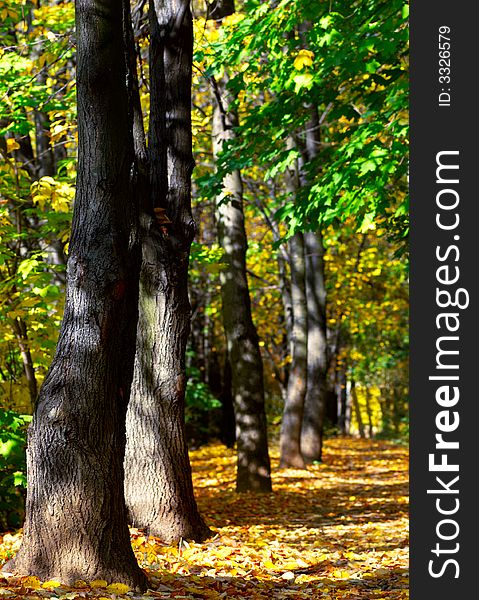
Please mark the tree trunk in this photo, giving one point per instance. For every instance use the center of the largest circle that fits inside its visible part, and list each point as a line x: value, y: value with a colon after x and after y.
x: 20, y: 329
x: 158, y: 483
x: 315, y: 400
x: 75, y: 524
x: 344, y: 419
x: 253, y: 465
x: 286, y: 346
x: 369, y: 413
x: 317, y: 358
x: 290, y: 437
x: 357, y: 409
x: 332, y: 416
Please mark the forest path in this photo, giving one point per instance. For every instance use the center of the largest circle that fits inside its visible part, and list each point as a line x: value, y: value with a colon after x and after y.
x: 338, y: 531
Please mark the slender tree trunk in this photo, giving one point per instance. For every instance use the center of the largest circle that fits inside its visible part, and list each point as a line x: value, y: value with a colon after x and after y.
x: 75, y: 524
x: 357, y: 409
x: 20, y: 329
x: 315, y: 400
x: 332, y: 399
x: 344, y: 402
x: 290, y: 437
x: 385, y: 412
x: 369, y: 413
x: 316, y: 393
x: 158, y: 483
x: 253, y: 466
x: 287, y: 345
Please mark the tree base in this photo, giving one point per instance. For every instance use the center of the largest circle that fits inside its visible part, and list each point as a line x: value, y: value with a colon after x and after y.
x: 172, y: 535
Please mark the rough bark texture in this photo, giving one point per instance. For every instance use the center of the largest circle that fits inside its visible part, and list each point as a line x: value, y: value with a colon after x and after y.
x: 158, y: 483
x: 75, y: 524
x: 253, y: 464
x: 315, y: 400
x: 290, y: 437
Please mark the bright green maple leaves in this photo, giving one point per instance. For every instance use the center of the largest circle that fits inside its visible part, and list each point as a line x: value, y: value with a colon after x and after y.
x: 350, y: 62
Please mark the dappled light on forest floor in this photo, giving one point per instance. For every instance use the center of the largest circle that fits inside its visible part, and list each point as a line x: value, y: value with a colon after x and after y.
x: 336, y: 531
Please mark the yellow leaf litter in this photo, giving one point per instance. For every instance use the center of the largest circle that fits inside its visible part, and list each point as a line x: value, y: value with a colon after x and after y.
x: 338, y: 531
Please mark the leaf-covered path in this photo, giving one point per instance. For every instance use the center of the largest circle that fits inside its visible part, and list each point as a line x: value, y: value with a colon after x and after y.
x: 336, y: 531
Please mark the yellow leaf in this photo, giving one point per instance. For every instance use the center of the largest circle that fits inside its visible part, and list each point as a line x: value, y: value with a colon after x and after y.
x: 12, y: 144
x: 118, y: 588
x: 340, y: 574
x: 233, y: 19
x: 98, y: 583
x: 268, y: 564
x: 301, y: 81
x: 303, y: 59
x: 31, y: 582
x: 51, y: 583
x: 49, y: 181
x: 302, y: 563
x: 224, y: 552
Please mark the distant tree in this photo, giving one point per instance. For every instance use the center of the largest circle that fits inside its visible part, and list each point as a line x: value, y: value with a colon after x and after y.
x: 253, y: 464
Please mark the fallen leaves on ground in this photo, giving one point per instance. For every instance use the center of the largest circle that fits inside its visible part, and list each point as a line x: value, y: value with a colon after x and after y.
x: 337, y: 531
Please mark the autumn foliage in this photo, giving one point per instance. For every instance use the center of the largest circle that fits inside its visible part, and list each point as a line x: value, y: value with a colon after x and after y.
x: 335, y: 531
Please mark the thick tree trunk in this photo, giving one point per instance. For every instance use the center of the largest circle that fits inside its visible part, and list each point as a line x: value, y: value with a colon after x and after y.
x: 315, y: 400
x: 290, y: 438
x: 158, y: 483
x: 76, y: 524
x: 253, y: 464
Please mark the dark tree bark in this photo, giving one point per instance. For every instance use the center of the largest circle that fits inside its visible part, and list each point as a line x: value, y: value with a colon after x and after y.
x: 290, y: 437
x: 315, y: 400
x: 75, y: 524
x: 332, y: 399
x: 158, y: 483
x: 253, y: 464
x: 317, y: 356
